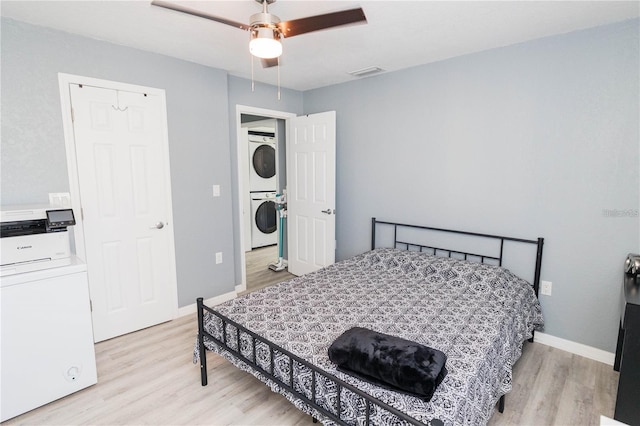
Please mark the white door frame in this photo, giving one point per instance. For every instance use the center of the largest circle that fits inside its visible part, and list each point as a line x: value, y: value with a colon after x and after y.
x: 64, y: 80
x: 243, y: 109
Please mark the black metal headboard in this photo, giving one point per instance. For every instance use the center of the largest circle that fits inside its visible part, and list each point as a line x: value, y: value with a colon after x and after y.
x: 465, y: 255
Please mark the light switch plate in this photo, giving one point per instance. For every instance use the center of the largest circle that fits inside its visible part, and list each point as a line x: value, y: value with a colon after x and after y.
x: 216, y: 190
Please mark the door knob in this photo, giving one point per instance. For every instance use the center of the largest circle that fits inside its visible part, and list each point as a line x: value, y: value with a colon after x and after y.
x: 327, y: 211
x: 158, y: 225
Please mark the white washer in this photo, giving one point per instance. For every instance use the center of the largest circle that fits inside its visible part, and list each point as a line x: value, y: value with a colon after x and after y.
x: 264, y: 219
x: 262, y: 163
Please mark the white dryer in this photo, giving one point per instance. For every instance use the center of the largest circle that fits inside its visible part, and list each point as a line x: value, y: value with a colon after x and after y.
x: 264, y: 219
x: 262, y: 163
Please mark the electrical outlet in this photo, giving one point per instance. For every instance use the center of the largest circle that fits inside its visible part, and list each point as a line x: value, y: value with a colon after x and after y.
x: 219, y: 257
x: 545, y: 287
x: 216, y: 190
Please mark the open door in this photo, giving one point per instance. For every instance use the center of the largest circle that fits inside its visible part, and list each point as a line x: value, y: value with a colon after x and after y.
x: 311, y: 191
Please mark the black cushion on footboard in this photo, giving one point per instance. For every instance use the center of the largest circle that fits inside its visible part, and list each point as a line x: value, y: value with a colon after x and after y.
x: 389, y: 361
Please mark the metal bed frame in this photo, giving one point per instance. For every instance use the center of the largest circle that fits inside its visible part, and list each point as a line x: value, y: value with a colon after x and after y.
x: 436, y: 250
x: 289, y: 383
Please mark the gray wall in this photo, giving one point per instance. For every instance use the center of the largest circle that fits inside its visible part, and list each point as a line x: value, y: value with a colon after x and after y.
x: 33, y: 148
x: 536, y: 139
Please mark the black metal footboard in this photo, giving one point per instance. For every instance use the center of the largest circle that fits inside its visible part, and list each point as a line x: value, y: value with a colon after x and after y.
x: 234, y: 335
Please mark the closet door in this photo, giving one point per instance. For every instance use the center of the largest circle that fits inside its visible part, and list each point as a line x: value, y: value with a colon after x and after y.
x: 122, y: 163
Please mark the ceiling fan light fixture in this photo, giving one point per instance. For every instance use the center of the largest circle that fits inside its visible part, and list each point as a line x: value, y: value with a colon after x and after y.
x: 265, y: 43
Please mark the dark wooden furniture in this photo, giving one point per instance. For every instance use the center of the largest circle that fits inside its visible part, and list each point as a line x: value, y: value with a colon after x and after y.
x: 627, y: 360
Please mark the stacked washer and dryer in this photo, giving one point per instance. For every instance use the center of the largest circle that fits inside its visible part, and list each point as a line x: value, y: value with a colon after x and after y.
x: 262, y: 189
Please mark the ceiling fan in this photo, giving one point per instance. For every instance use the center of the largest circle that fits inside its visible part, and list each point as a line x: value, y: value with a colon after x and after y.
x: 266, y: 29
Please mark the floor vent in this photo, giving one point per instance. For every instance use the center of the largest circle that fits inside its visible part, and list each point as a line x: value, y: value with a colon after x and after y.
x: 366, y: 71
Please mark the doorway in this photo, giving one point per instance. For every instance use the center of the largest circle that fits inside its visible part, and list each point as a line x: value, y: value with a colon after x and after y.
x: 308, y: 159
x: 256, y: 196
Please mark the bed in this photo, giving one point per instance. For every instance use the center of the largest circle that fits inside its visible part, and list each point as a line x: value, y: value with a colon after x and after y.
x: 459, y: 301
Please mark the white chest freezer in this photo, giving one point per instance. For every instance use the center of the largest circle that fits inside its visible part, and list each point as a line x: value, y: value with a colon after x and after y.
x: 46, y: 339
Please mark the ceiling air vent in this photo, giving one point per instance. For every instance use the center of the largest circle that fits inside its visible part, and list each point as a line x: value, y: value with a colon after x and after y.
x: 366, y: 71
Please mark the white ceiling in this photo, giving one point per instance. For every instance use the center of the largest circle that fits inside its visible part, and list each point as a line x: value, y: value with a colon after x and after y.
x: 399, y: 34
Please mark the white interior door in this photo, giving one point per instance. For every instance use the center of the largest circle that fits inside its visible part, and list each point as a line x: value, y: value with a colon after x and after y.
x: 123, y: 172
x: 311, y: 192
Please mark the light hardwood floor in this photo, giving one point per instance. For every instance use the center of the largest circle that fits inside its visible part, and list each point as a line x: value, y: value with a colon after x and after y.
x: 554, y: 387
x: 147, y: 377
x: 258, y: 273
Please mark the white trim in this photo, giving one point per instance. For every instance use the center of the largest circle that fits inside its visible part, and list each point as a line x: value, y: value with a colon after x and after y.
x: 268, y: 113
x: 64, y: 80
x: 193, y: 308
x: 575, y: 348
x: 606, y: 421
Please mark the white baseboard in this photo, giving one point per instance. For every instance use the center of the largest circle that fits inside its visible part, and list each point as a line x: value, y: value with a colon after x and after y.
x: 575, y: 348
x: 240, y: 288
x: 193, y: 308
x: 606, y: 421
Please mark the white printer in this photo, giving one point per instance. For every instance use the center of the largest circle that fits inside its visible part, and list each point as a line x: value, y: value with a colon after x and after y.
x: 34, y: 238
x: 46, y: 350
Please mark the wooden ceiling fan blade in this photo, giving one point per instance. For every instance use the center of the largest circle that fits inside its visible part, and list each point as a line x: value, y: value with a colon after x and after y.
x: 189, y: 11
x: 321, y: 22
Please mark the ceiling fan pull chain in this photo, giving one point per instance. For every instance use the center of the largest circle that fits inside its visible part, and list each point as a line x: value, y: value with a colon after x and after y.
x: 253, y: 84
x: 278, y: 66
